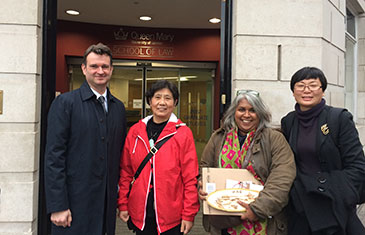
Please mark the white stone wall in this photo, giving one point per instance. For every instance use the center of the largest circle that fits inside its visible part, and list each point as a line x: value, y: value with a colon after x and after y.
x: 20, y: 81
x: 274, y: 38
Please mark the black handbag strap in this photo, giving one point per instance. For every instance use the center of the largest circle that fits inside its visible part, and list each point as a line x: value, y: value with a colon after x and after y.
x: 152, y: 152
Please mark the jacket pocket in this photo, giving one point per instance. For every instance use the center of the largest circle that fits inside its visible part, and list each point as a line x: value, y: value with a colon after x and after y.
x: 278, y: 225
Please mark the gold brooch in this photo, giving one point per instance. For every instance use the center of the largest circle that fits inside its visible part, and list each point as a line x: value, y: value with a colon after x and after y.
x: 324, y: 129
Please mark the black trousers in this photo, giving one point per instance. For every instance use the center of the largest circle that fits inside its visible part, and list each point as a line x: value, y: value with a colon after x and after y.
x: 224, y: 232
x: 150, y: 227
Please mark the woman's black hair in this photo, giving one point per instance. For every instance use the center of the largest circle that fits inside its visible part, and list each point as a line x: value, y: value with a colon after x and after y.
x: 307, y: 73
x: 161, y: 84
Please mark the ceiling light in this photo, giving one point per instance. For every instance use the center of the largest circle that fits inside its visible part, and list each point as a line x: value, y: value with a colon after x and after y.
x: 215, y: 20
x: 72, y: 12
x: 145, y: 18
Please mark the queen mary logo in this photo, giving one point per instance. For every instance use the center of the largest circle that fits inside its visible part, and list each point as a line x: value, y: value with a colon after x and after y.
x: 121, y: 34
x: 161, y: 37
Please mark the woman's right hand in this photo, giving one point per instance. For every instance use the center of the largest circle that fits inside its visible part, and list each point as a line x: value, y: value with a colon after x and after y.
x: 202, y: 194
x: 123, y: 215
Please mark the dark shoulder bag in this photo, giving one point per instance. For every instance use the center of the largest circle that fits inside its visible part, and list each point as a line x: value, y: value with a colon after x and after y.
x: 333, y: 124
x: 152, y: 152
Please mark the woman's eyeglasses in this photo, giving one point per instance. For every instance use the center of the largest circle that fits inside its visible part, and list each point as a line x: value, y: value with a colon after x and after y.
x: 256, y: 93
x: 311, y: 87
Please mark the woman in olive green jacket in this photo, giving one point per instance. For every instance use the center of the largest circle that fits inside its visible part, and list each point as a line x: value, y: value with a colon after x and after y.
x: 264, y: 152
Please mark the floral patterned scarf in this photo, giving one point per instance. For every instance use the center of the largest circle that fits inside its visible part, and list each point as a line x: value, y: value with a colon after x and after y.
x: 232, y: 156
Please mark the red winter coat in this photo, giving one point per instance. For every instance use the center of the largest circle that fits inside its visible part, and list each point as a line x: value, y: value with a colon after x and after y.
x: 175, y: 174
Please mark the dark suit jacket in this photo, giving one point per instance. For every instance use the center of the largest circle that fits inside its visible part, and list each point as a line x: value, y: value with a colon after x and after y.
x: 327, y: 199
x: 82, y: 160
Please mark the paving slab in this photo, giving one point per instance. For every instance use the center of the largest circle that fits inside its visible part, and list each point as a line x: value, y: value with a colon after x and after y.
x: 198, y: 229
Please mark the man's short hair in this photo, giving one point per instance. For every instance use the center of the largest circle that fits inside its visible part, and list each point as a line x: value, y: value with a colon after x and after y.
x: 99, y: 49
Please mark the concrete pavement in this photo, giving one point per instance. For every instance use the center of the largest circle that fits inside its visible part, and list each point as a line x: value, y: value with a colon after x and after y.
x: 198, y: 227
x: 361, y: 213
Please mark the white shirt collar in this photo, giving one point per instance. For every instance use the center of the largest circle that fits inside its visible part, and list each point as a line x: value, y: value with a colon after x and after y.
x: 98, y: 95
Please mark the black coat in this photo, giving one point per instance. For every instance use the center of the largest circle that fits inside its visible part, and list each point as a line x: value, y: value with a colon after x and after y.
x: 82, y: 160
x: 326, y: 201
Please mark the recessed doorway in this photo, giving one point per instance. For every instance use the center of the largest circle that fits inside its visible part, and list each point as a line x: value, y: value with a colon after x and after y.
x: 131, y: 79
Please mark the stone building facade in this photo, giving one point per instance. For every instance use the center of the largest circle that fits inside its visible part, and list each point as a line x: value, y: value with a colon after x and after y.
x: 20, y: 85
x: 272, y: 39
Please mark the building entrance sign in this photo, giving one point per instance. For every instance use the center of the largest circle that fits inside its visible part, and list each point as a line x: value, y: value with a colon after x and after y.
x: 143, y: 43
x: 143, y: 51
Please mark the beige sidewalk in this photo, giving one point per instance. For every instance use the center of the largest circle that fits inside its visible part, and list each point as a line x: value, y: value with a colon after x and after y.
x: 197, y: 229
x: 361, y: 213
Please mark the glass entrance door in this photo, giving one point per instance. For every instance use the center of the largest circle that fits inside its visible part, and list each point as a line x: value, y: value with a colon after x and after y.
x: 195, y: 106
x: 195, y: 101
x: 126, y: 84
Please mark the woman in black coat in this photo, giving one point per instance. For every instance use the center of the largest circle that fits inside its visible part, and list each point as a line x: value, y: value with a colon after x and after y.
x: 330, y: 161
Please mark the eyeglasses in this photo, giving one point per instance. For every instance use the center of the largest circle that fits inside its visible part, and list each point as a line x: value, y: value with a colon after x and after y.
x: 256, y: 93
x: 311, y: 87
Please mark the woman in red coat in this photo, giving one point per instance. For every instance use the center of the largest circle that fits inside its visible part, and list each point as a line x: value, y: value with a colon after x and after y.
x: 163, y: 199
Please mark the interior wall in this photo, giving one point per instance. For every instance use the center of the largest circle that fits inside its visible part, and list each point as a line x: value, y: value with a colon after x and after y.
x: 73, y: 38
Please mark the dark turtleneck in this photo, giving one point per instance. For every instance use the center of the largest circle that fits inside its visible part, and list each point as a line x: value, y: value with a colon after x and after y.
x: 306, y: 157
x: 154, y: 129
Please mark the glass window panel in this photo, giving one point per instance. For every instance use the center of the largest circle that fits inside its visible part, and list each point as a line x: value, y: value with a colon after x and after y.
x: 350, y: 24
x: 196, y: 107
x: 76, y: 77
x: 126, y: 85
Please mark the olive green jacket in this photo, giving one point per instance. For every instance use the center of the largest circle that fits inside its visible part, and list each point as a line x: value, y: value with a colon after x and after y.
x: 273, y: 161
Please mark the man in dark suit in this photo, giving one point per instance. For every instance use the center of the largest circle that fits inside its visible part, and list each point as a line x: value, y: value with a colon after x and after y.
x: 86, y: 133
